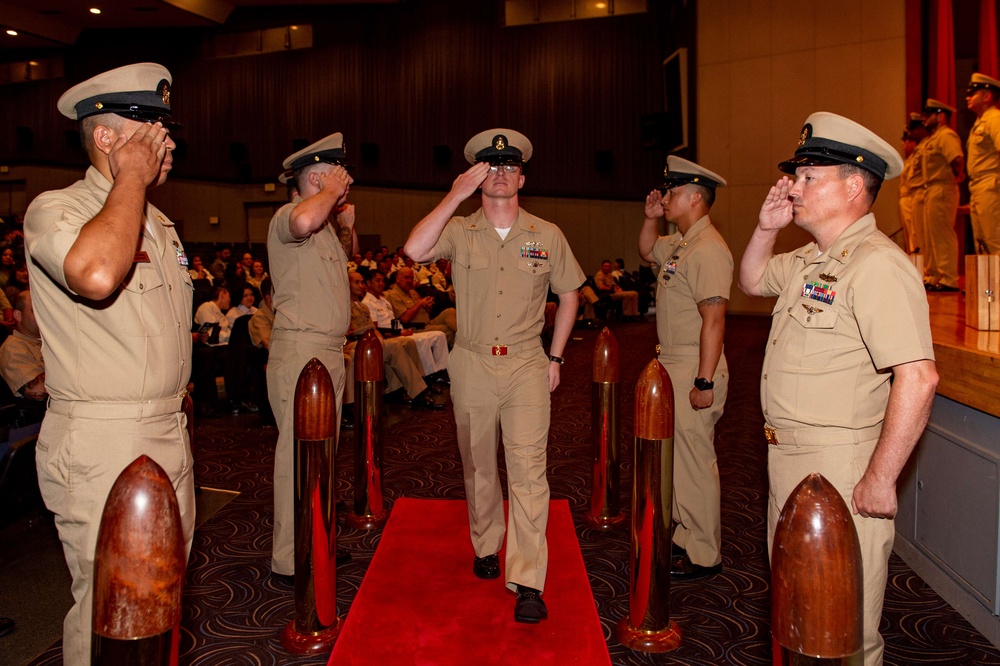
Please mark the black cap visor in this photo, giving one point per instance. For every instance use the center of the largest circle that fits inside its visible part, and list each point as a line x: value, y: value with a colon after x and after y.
x: 335, y: 157
x: 823, y: 152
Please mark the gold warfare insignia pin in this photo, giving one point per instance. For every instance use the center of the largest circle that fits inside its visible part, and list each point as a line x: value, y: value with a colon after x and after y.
x: 499, y: 142
x: 164, y: 90
x: 826, y: 277
x: 811, y: 310
x: 807, y: 131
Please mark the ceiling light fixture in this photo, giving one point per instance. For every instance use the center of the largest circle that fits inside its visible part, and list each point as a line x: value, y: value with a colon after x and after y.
x: 95, y: 10
x: 12, y: 33
x: 601, y: 5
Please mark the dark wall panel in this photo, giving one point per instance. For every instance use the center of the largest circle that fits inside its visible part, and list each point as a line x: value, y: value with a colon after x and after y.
x: 406, y: 77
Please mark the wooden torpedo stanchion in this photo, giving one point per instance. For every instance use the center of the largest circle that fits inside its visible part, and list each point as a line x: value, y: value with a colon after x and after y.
x: 605, y: 501
x: 369, y: 381
x: 817, y: 591
x: 138, y: 571
x: 647, y: 626
x: 315, y: 626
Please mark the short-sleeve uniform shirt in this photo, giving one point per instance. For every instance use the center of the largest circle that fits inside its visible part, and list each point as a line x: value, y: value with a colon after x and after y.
x: 311, y: 294
x: 984, y: 145
x: 20, y: 360
x: 134, y: 345
x: 941, y: 149
x: 692, y: 268
x: 501, y: 284
x: 842, y: 320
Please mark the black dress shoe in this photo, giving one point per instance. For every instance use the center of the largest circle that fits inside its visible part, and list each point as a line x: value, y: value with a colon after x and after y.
x: 283, y: 580
x: 343, y: 556
x: 6, y: 626
x: 424, y: 401
x: 486, y: 567
x: 683, y: 569
x: 529, y: 606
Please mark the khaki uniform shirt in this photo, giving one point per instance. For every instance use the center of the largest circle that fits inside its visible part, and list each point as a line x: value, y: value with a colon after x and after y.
x: 692, y: 268
x: 984, y: 146
x: 604, y: 282
x: 842, y: 320
x: 311, y: 294
x: 20, y: 360
x: 136, y: 344
x: 939, y: 151
x: 361, y: 318
x: 912, y: 176
x: 402, y: 301
x: 501, y: 284
x: 260, y: 324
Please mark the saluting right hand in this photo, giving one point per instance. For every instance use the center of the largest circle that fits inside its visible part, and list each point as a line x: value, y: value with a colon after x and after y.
x: 336, y: 181
x: 654, y: 205
x: 776, y: 212
x: 467, y: 183
x: 140, y: 154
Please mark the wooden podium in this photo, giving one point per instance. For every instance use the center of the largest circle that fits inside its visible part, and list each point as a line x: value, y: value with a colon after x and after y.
x: 982, y: 291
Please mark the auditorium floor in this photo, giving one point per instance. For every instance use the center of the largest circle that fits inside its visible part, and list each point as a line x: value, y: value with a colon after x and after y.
x: 233, y: 612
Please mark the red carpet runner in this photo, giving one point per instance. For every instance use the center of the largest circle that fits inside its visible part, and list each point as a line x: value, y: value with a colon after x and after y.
x: 420, y: 604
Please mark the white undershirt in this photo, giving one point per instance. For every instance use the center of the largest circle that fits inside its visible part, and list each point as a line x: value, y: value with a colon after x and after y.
x: 503, y: 232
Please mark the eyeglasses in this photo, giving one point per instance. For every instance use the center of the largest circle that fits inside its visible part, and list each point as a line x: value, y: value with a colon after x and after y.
x: 507, y: 168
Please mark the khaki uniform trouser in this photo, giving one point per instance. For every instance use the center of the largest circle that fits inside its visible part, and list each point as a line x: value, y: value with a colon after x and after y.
x: 940, y: 242
x: 842, y: 463
x: 78, y: 458
x: 286, y: 359
x: 630, y: 302
x: 509, y: 394
x: 697, y: 490
x: 402, y: 368
x: 447, y: 323
x: 919, y: 201
x: 906, y: 211
x: 984, y: 208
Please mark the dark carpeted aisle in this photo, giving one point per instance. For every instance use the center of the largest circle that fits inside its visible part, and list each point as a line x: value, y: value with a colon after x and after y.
x: 233, y: 611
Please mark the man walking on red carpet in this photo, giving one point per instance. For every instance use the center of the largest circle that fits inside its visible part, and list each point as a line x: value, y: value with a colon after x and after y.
x: 504, y: 261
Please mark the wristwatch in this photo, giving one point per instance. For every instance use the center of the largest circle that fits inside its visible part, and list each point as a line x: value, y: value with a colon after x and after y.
x: 556, y: 359
x: 703, y: 384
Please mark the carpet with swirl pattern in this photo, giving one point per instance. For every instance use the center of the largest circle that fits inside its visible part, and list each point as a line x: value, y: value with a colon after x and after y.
x: 233, y: 611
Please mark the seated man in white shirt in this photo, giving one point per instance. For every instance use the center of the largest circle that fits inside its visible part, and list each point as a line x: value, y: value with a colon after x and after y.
x: 213, y: 312
x: 431, y: 345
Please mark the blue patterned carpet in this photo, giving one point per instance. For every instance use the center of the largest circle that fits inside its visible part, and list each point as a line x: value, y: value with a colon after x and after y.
x: 233, y: 612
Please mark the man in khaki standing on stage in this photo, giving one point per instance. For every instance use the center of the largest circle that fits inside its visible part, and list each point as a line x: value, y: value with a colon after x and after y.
x: 943, y: 168
x: 911, y: 184
x: 851, y: 315
x: 504, y: 261
x: 692, y: 291
x: 984, y: 162
x: 308, y: 243
x: 112, y: 296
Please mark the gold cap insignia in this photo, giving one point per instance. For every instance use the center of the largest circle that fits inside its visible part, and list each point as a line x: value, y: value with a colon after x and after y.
x: 164, y: 89
x: 98, y: 105
x: 807, y: 131
x: 499, y: 142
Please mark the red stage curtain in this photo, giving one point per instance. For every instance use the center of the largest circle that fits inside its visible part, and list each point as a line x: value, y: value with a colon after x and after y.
x: 988, y: 38
x: 941, y: 79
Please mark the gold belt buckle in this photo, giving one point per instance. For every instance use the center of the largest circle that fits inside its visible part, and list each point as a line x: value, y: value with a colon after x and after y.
x: 499, y: 350
x: 770, y: 435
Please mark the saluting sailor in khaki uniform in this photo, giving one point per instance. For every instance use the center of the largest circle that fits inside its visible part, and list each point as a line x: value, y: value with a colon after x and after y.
x: 911, y: 183
x: 692, y: 290
x: 503, y: 262
x: 943, y: 168
x: 112, y: 295
x: 983, y: 164
x: 312, y: 307
x: 851, y: 315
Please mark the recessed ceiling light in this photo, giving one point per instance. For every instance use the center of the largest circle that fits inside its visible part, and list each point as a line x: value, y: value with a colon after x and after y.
x: 12, y: 33
x: 294, y: 27
x: 601, y: 5
x: 95, y: 10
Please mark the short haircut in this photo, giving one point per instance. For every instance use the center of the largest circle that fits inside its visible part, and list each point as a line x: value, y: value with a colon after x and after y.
x: 90, y: 123
x: 872, y: 182
x: 216, y: 290
x: 707, y: 194
x: 21, y: 300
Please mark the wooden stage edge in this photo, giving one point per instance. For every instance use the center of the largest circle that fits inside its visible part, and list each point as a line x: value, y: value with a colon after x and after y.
x: 968, y: 360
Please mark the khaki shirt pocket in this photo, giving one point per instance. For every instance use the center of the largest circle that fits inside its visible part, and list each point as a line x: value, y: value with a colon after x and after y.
x: 811, y: 339
x: 535, y: 277
x: 142, y: 303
